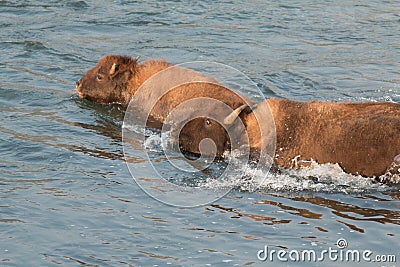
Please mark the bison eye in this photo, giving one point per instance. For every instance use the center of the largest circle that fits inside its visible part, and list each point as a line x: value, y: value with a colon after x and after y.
x: 208, y: 122
x: 99, y: 77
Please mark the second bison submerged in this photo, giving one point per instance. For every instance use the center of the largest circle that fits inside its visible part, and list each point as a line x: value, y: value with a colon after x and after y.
x: 363, y: 138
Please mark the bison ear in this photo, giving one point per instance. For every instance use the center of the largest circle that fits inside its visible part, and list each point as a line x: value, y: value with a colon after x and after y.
x: 234, y: 114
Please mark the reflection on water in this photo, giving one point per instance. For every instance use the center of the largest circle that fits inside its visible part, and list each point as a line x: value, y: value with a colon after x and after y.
x: 301, y: 212
x: 354, y: 212
x: 66, y: 194
x: 340, y: 209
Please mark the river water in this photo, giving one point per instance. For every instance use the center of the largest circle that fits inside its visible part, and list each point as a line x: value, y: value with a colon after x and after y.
x: 67, y: 197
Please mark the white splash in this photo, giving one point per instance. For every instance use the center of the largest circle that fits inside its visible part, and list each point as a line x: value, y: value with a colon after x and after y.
x: 318, y: 178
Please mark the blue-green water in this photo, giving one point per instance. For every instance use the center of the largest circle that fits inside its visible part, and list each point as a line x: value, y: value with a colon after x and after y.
x: 66, y: 195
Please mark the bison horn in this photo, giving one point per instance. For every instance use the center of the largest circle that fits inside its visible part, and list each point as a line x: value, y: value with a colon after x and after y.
x: 234, y: 114
x: 137, y: 58
x: 112, y: 70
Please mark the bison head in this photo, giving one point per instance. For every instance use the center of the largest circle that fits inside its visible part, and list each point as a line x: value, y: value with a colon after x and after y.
x: 226, y: 133
x: 107, y: 82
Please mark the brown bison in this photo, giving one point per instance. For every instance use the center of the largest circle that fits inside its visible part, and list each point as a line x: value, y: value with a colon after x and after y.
x: 117, y: 79
x: 363, y: 138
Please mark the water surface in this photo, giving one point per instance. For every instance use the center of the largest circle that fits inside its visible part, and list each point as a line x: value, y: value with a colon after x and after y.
x: 67, y: 197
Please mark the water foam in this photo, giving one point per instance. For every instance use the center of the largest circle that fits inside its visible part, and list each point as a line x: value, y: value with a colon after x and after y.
x: 328, y: 178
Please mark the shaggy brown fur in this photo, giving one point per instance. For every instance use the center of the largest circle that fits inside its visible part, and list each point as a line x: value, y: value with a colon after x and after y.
x: 116, y: 79
x: 106, y: 84
x: 363, y: 138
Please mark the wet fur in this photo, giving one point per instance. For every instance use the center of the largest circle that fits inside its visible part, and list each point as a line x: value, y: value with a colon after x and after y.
x: 120, y: 86
x: 363, y: 138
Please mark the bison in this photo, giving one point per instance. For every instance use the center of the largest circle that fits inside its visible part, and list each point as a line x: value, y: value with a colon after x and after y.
x: 122, y: 80
x: 363, y: 138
